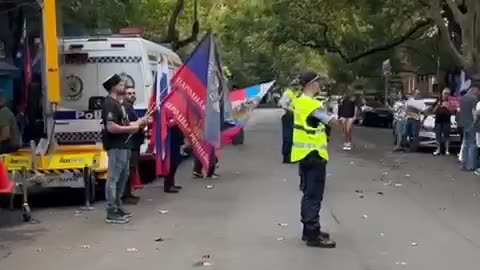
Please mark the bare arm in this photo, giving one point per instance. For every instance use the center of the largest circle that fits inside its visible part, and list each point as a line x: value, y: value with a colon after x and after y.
x: 118, y: 129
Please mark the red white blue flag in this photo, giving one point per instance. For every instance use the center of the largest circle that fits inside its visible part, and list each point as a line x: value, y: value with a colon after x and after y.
x: 161, y: 88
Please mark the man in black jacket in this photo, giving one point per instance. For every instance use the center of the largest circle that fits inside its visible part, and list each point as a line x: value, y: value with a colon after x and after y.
x: 134, y: 144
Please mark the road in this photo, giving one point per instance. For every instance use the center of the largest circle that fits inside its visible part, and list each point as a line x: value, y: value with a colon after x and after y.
x: 385, y: 210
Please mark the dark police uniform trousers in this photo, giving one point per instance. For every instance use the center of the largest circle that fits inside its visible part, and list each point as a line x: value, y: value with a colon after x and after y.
x: 328, y: 130
x: 287, y: 135
x: 313, y: 170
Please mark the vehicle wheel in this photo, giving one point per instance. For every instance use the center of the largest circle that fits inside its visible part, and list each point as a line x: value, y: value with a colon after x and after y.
x: 26, y: 213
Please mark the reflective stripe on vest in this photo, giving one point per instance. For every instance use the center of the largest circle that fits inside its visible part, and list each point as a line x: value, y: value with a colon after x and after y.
x: 310, y: 146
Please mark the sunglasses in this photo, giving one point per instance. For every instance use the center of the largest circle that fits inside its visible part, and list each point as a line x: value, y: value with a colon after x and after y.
x: 130, y: 94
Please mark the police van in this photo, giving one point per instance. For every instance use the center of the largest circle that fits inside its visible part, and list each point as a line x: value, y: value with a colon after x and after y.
x: 86, y: 63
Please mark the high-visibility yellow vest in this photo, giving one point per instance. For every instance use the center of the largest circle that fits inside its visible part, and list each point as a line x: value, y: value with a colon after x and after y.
x: 292, y: 94
x: 305, y: 137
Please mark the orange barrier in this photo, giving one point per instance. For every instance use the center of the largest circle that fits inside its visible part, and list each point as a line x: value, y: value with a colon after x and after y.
x: 6, y: 186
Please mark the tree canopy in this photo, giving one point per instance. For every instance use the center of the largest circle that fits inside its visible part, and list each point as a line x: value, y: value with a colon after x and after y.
x: 275, y: 39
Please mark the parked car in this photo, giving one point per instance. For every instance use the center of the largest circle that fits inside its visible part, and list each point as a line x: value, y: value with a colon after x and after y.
x: 374, y: 113
x: 426, y: 136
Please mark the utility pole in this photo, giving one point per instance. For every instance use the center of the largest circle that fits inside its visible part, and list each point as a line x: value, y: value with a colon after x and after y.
x: 387, y: 72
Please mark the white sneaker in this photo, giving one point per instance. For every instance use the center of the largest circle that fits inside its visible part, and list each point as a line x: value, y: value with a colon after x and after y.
x: 447, y: 153
x: 436, y: 153
x: 348, y: 146
x: 345, y: 147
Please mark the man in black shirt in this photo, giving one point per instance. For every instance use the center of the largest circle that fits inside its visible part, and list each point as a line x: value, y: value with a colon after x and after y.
x: 134, y: 143
x: 116, y: 132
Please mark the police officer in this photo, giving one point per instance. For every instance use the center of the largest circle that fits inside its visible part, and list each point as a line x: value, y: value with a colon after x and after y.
x: 286, y: 102
x: 310, y: 150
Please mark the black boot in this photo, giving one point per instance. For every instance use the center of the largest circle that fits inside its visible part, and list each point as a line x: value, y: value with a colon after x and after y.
x: 170, y: 190
x: 321, y: 242
x: 322, y: 234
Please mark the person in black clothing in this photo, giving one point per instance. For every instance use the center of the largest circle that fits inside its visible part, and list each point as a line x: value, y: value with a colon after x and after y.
x: 176, y: 142
x: 442, y: 123
x: 117, y: 128
x: 347, y: 112
x: 134, y: 142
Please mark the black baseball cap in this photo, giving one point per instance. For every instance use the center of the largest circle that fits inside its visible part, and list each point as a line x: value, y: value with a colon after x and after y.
x: 310, y: 76
x: 111, y: 81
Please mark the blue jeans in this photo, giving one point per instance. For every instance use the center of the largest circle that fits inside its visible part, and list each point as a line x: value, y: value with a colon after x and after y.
x: 469, y: 149
x: 400, y: 128
x: 411, y: 131
x: 118, y: 170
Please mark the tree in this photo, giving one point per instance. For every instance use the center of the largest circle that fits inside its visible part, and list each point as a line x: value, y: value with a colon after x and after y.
x: 159, y: 17
x: 355, y: 29
x: 466, y: 14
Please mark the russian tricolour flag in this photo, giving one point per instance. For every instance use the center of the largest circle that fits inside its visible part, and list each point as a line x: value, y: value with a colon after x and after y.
x: 160, y: 91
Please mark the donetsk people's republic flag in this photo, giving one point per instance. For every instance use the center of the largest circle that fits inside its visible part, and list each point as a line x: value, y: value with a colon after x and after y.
x: 194, y: 103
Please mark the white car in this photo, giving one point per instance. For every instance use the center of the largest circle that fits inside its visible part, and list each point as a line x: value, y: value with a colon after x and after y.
x: 426, y: 136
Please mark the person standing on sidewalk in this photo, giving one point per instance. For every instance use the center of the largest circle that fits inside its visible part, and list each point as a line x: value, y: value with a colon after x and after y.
x: 134, y: 142
x: 400, y: 123
x: 413, y: 110
x: 310, y: 150
x: 443, y: 123
x: 286, y: 103
x: 117, y: 128
x: 467, y: 116
x: 176, y: 141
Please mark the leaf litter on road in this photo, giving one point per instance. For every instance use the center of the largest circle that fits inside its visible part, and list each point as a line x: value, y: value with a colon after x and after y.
x: 414, y: 244
x: 206, y: 261
x: 86, y: 246
x: 282, y: 224
x: 163, y: 211
x: 209, y: 186
x: 364, y: 216
x: 133, y: 249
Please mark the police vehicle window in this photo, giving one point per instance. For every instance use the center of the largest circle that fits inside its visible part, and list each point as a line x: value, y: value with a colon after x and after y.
x: 117, y: 45
x: 76, y: 58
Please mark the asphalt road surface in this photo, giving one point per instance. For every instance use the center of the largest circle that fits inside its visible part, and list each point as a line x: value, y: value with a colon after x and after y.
x: 385, y: 210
